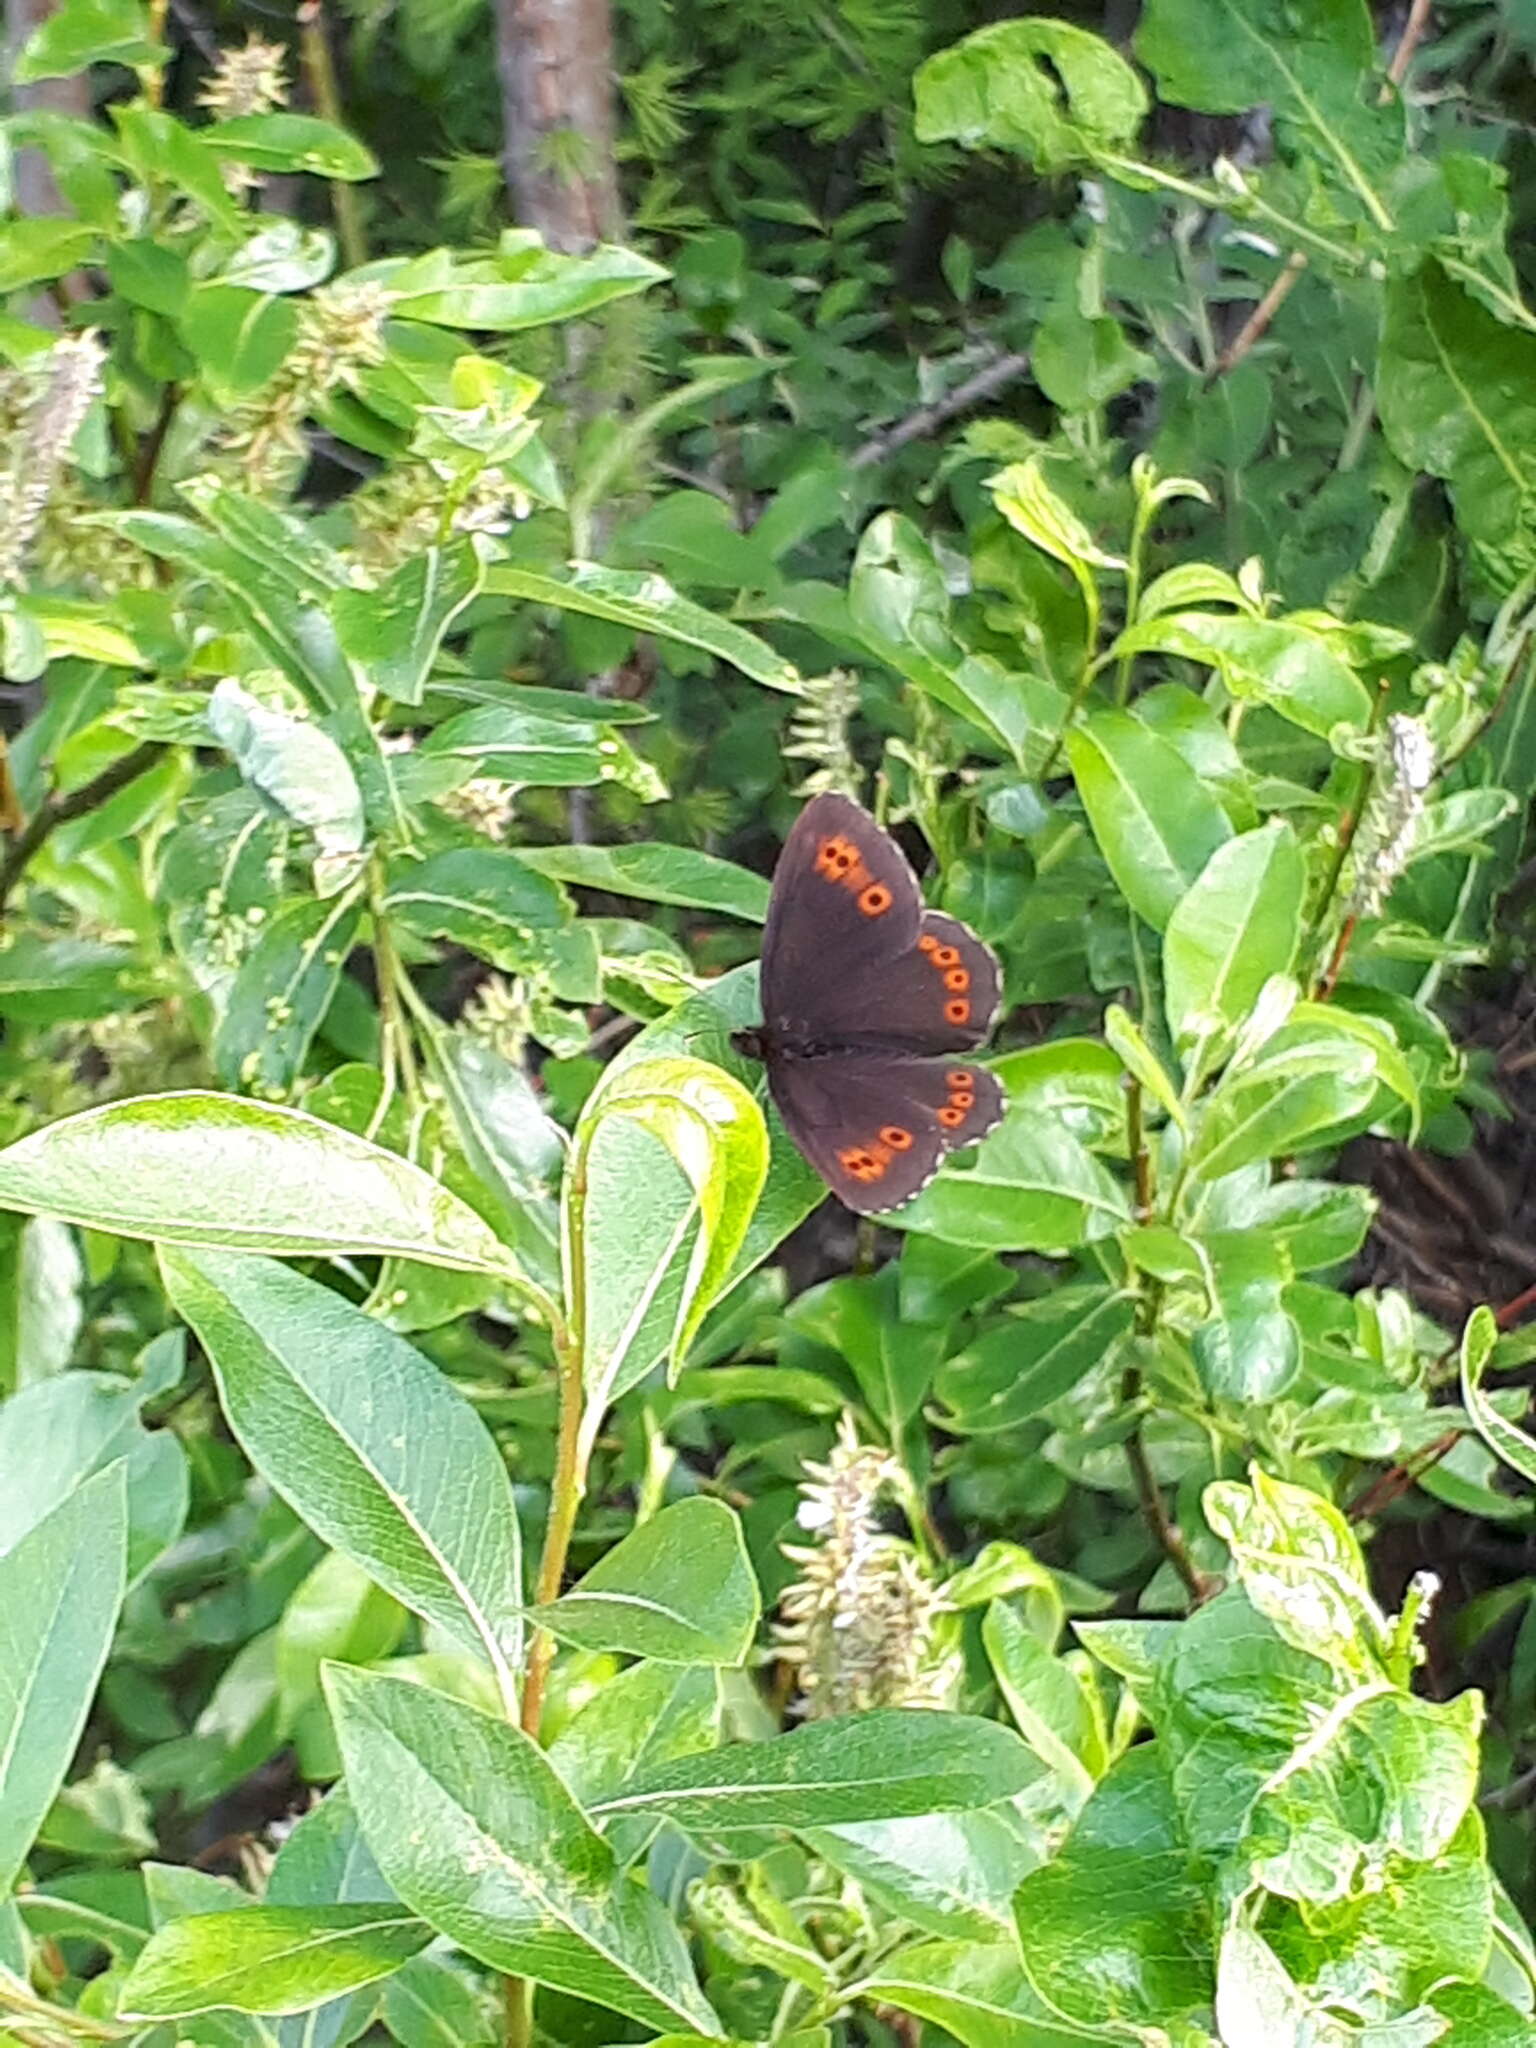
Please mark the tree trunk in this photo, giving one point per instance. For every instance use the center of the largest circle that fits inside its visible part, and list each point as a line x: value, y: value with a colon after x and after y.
x: 36, y: 193
x: 555, y: 59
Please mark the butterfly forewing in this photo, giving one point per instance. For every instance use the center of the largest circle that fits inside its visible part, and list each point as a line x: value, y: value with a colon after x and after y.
x: 845, y: 909
x: 877, y: 1127
x: 851, y: 957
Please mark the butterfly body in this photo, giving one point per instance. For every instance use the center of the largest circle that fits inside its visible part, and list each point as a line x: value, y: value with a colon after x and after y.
x: 871, y: 1005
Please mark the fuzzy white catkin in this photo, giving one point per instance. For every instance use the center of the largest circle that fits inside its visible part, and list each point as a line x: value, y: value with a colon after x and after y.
x: 1392, y: 818
x: 859, y: 1622
x: 68, y: 378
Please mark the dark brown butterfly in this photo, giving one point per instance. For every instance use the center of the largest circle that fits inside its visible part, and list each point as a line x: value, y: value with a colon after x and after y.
x: 870, y: 1004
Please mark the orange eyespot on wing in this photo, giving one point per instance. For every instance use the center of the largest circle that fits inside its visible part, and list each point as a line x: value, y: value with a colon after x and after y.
x: 836, y: 858
x: 875, y: 900
x: 946, y: 956
x: 957, y: 1010
x: 863, y: 1163
x: 927, y: 943
x: 957, y: 979
x: 951, y: 1117
x: 962, y: 1099
x: 957, y: 1077
x: 896, y: 1137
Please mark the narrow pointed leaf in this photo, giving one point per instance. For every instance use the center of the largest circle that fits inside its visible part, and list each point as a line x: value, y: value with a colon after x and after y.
x: 368, y: 1441
x: 270, y: 1959
x: 475, y: 1831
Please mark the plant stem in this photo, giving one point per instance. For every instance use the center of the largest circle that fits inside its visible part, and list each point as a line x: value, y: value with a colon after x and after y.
x: 315, y: 53
x: 1402, y: 56
x: 1080, y: 690
x: 15, y: 1996
x: 571, y: 1454
x: 1349, y: 825
x: 1256, y: 325
x: 1139, y: 525
x: 517, y: 2004
x: 565, y: 1497
x: 1165, y: 1532
x: 1141, y: 1158
x: 153, y: 443
x: 391, y: 976
x: 58, y: 810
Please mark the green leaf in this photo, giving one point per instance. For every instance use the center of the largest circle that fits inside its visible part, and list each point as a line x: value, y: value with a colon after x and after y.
x: 338, y: 1612
x: 657, y: 873
x: 1081, y: 363
x: 1300, y: 1565
x: 1116, y: 1927
x: 1511, y: 1446
x: 369, y: 1443
x: 81, y: 33
x: 42, y: 1311
x: 524, y: 747
x: 270, y: 1959
x: 892, y: 1356
x: 669, y: 1159
x: 1278, y: 662
x: 56, y: 1434
x: 678, y: 1589
x: 704, y: 1022
x: 434, y: 2003
x: 46, y: 981
x: 1250, y: 1348
x: 1155, y: 822
x: 1274, y: 1106
x: 978, y: 1992
x: 1030, y: 506
x: 1056, y: 94
x: 1457, y: 392
x: 291, y: 142
x: 1303, y: 61
x: 268, y: 593
x: 205, y: 1169
x: 1128, y: 1042
x: 37, y: 251
x: 509, y: 1141
x: 649, y: 604
x: 394, y: 632
x: 538, y: 287
x: 240, y: 338
x: 475, y: 1831
x: 281, y: 992
x: 1053, y: 1704
x: 293, y: 764
x: 148, y: 274
x: 1030, y: 1358
x: 1034, y: 1187
x: 60, y: 1590
x: 485, y: 898
x: 947, y: 1873
x: 1388, y: 1776
x: 646, y: 1716
x: 1237, y: 926
x: 877, y: 1766
x: 324, y: 1861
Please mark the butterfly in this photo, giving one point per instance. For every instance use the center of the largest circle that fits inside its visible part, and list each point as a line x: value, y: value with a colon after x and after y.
x: 871, y: 1004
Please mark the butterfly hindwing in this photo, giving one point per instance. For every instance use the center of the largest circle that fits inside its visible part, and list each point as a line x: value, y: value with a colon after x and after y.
x: 850, y: 955
x: 876, y: 1127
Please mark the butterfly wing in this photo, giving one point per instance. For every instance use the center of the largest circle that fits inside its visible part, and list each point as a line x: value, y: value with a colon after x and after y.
x: 850, y: 955
x: 877, y: 1127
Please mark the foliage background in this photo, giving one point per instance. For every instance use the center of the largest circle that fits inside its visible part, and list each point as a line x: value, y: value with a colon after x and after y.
x: 1103, y: 441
